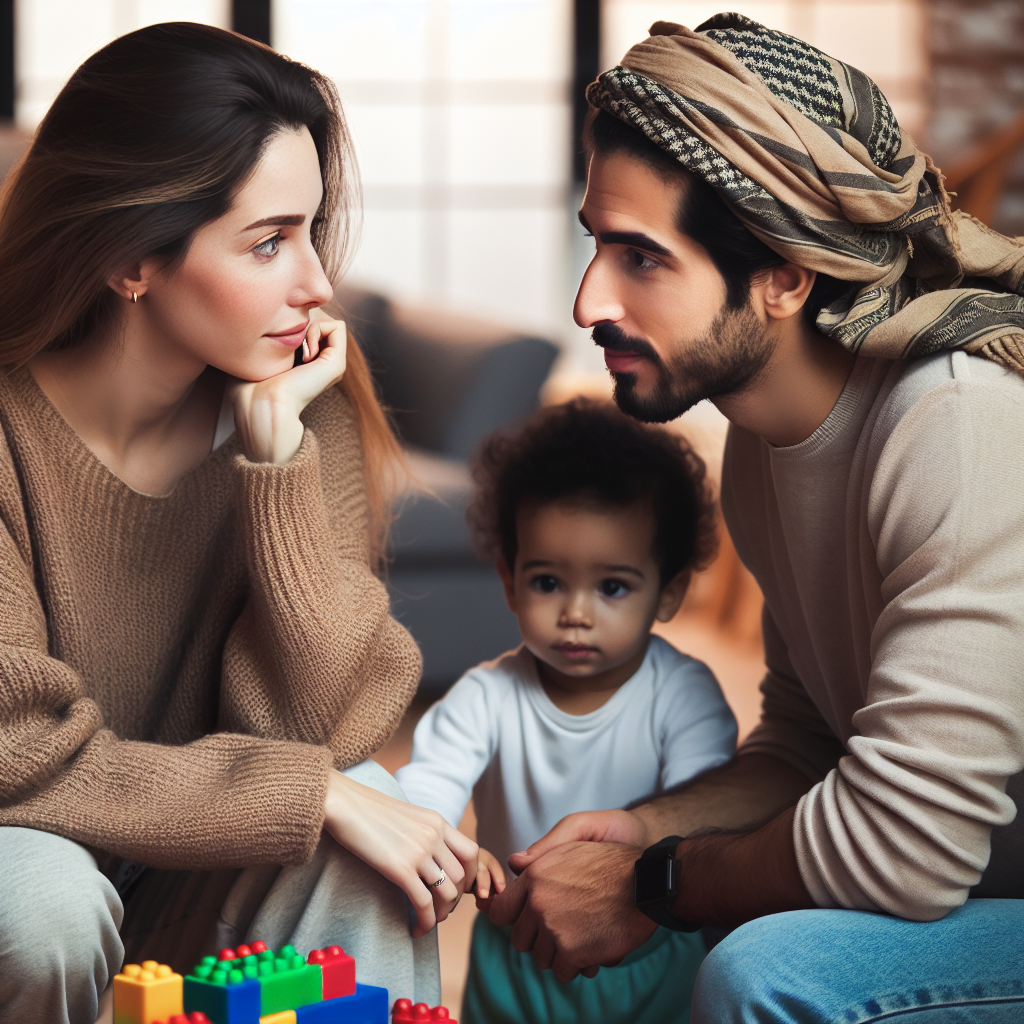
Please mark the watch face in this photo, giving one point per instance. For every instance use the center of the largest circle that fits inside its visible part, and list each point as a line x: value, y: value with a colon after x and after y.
x: 654, y: 879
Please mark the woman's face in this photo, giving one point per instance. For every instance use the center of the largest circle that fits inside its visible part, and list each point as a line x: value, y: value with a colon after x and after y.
x: 241, y: 298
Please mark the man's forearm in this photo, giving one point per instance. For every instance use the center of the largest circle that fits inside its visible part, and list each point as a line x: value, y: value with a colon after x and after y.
x: 748, y: 790
x: 727, y: 879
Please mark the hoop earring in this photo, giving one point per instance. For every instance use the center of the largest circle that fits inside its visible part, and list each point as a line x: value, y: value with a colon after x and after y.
x: 135, y: 296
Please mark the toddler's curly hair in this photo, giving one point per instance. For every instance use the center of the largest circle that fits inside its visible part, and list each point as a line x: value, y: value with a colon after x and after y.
x: 589, y: 453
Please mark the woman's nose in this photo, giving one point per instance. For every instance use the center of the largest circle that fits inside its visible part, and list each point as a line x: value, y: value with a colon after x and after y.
x: 314, y: 286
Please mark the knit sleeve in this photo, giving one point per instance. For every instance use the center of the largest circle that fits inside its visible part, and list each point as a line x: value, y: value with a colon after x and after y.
x: 903, y: 824
x: 315, y: 655
x: 220, y: 801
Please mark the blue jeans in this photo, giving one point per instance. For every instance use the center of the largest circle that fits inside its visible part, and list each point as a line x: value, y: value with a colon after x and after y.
x: 850, y: 967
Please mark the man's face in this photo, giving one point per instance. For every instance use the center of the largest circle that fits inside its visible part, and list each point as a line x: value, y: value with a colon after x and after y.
x: 656, y: 301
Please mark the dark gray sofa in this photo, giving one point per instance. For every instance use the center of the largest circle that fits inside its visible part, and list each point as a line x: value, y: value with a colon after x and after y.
x: 448, y: 380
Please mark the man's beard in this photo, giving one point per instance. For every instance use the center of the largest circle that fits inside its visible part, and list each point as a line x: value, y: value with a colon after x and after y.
x: 733, y: 352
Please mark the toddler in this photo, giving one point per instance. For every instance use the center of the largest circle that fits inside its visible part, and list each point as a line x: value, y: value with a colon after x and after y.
x: 595, y: 523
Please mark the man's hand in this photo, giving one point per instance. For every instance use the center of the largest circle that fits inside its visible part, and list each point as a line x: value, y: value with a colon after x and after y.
x: 585, y: 827
x: 573, y: 905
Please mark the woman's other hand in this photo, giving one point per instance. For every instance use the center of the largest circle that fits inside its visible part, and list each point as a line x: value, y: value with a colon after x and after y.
x: 490, y: 879
x: 267, y: 411
x: 408, y: 845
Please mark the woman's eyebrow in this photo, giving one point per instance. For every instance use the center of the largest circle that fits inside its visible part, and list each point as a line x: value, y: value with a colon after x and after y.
x: 291, y: 219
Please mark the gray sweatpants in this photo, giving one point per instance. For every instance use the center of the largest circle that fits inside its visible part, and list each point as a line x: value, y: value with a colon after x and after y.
x: 64, y: 932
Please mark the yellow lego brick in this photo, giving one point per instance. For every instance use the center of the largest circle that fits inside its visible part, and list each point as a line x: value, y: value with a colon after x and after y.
x: 147, y: 992
x: 284, y: 1017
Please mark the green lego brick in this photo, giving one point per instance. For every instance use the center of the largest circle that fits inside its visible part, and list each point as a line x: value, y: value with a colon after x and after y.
x: 225, y: 990
x: 287, y: 981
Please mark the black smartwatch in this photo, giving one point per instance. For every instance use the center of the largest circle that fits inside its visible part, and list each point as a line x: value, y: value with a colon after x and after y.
x: 656, y: 884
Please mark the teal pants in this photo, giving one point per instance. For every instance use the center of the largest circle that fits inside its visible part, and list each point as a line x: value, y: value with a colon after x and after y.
x: 653, y: 985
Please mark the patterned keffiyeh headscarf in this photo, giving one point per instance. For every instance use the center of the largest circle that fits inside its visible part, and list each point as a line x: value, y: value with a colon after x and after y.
x: 808, y: 153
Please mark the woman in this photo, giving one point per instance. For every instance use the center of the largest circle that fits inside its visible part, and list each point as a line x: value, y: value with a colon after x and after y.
x: 191, y: 636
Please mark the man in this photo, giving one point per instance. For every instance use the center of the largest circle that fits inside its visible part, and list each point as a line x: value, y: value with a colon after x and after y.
x: 768, y: 238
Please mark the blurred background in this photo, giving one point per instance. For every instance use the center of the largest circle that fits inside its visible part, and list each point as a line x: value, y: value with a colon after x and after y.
x: 466, y: 118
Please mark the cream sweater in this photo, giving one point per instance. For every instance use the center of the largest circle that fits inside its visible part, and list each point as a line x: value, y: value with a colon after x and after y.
x: 178, y: 674
x: 890, y: 549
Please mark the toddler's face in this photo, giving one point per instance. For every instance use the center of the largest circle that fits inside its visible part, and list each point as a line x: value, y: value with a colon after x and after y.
x: 586, y: 591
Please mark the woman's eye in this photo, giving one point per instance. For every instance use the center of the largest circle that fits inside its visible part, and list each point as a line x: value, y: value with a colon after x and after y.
x: 545, y: 584
x: 268, y: 247
x: 613, y: 588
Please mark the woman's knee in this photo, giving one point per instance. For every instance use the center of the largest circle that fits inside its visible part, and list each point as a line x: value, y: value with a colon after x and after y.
x: 59, y: 920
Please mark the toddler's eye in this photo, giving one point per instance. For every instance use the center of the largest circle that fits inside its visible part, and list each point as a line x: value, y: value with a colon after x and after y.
x: 613, y: 588
x: 545, y: 584
x: 268, y: 247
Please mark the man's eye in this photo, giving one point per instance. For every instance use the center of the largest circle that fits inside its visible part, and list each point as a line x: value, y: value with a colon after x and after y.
x: 545, y: 584
x: 268, y: 247
x: 641, y: 261
x: 613, y: 588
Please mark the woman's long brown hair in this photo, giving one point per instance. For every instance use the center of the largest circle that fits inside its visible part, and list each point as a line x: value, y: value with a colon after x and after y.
x: 150, y: 139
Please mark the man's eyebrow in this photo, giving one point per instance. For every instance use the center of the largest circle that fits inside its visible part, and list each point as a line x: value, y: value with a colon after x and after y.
x: 634, y: 239
x: 290, y: 220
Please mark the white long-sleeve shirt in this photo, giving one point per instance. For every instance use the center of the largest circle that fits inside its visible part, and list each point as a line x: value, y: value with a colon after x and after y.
x: 497, y: 736
x: 890, y: 549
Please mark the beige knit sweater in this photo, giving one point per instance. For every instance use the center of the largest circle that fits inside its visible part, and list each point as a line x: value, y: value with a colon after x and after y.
x: 890, y: 549
x: 178, y: 674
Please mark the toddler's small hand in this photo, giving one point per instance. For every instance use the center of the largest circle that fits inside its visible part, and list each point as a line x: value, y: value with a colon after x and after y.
x: 490, y: 879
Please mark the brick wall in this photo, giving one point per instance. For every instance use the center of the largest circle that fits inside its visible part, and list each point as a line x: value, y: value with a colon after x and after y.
x: 977, y: 69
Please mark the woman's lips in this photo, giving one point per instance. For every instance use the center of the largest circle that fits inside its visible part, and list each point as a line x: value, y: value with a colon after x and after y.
x: 621, y: 362
x: 292, y: 337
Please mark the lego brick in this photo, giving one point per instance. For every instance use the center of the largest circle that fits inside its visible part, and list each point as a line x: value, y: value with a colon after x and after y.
x: 225, y: 990
x: 284, y: 1017
x: 368, y: 1005
x: 339, y: 970
x: 191, y: 1018
x: 287, y: 981
x: 405, y: 1013
x: 146, y: 993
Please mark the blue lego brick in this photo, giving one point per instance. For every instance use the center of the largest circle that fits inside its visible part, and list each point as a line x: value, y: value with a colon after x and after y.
x: 225, y: 1001
x: 369, y: 1005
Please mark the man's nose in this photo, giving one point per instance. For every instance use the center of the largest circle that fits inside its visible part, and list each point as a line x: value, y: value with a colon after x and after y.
x: 597, y: 301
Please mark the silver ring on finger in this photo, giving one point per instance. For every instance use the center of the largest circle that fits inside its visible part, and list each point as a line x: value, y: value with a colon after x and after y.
x: 434, y: 885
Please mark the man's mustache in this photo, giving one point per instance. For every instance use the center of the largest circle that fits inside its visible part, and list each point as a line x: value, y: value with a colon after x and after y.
x: 613, y: 337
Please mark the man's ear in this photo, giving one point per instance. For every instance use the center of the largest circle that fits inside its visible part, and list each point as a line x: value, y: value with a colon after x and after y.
x: 133, y: 280
x: 782, y: 291
x: 506, y: 581
x: 672, y: 595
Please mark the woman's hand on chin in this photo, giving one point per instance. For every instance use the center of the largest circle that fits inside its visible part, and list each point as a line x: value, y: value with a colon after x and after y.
x: 267, y: 411
x: 408, y: 845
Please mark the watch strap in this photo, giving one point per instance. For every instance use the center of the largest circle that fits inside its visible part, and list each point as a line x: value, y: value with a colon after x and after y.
x: 658, y: 909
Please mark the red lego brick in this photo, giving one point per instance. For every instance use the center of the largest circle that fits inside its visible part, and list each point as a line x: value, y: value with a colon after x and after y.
x: 189, y: 1018
x: 339, y: 970
x: 405, y: 1013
